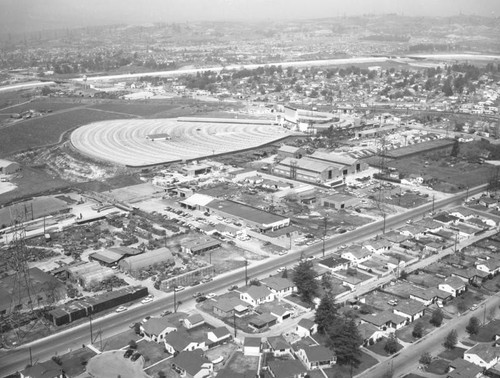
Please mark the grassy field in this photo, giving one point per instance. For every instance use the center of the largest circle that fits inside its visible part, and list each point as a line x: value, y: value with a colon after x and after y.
x: 339, y: 371
x: 240, y: 363
x: 138, y: 109
x: 46, y: 130
x: 44, y: 105
x: 119, y: 341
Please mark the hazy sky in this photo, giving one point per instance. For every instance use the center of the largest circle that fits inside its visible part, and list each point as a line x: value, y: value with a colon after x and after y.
x: 22, y: 15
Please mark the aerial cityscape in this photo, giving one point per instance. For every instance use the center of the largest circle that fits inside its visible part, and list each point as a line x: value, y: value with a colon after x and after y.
x: 249, y: 188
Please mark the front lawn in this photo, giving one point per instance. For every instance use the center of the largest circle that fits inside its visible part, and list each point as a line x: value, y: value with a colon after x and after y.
x: 152, y: 352
x: 378, y: 347
x: 118, y: 341
x: 405, y: 333
x: 452, y: 354
x: 438, y: 366
x: 341, y: 371
x: 487, y: 332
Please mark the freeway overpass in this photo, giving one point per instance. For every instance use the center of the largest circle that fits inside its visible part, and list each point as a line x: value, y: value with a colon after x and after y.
x: 113, y: 323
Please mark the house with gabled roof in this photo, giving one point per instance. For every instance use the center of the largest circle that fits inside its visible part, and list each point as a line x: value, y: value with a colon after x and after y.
x: 280, y: 287
x: 306, y: 327
x: 218, y: 336
x: 193, y: 321
x: 286, y: 369
x: 180, y: 341
x: 483, y: 355
x: 369, y: 333
x: 256, y: 295
x: 490, y: 266
x: 356, y: 254
x: 378, y: 246
x: 252, y: 346
x: 335, y: 263
x: 410, y: 309
x: 192, y: 364
x: 316, y: 357
x: 384, y: 320
x: 460, y: 368
x: 290, y: 151
x: 453, y: 285
x: 281, y: 313
x: 262, y: 320
x: 230, y: 306
x: 155, y: 329
x: 446, y: 218
x: 278, y: 346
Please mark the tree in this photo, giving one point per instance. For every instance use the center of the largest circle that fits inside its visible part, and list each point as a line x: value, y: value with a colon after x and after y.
x: 473, y: 327
x: 284, y: 274
x: 132, y: 344
x: 437, y: 318
x: 425, y: 359
x: 451, y: 340
x: 254, y: 282
x: 455, y: 149
x: 326, y: 313
x: 304, y: 279
x: 418, y: 330
x: 391, y: 345
x: 346, y: 342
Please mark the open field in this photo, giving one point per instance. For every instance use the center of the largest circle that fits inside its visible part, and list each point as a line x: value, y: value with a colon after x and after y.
x: 49, y: 129
x: 143, y: 110
x: 124, y: 141
x: 43, y: 105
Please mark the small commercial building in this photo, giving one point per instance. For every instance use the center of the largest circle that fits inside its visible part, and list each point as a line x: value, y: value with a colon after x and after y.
x: 339, y: 201
x: 308, y: 170
x: 200, y: 246
x: 291, y: 152
x: 134, y: 264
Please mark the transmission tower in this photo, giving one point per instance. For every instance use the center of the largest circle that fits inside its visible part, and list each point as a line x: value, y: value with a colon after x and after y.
x: 293, y: 169
x: 24, y: 307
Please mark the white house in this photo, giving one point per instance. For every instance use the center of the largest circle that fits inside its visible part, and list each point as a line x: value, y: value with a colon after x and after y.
x: 251, y: 346
x: 278, y: 346
x: 218, y: 335
x: 192, y: 364
x: 316, y: 357
x: 256, y: 295
x: 453, y: 285
x: 155, y: 329
x: 193, y: 321
x: 306, y: 327
x: 483, y: 355
x: 281, y: 313
x: 280, y: 287
x: 356, y: 254
x: 490, y: 266
x: 176, y: 342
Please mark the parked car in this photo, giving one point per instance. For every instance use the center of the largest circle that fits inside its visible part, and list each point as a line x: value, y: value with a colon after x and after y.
x: 282, y: 269
x: 166, y: 312
x: 234, y: 287
x: 135, y: 356
x: 201, y: 299
x: 121, y: 309
x: 128, y: 353
x: 147, y: 300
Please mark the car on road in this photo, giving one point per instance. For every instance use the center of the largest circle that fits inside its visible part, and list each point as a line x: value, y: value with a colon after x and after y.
x: 234, y: 287
x: 179, y: 288
x: 474, y: 307
x: 211, y: 295
x: 166, y: 312
x: 148, y: 299
x: 146, y: 319
x: 121, y: 309
x: 282, y: 269
x: 283, y: 253
x: 201, y: 299
x: 197, y: 294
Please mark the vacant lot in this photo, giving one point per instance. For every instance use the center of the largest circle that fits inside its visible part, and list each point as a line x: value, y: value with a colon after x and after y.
x: 119, y: 341
x: 113, y: 364
x: 241, y: 363
x: 37, y: 132
x: 152, y: 352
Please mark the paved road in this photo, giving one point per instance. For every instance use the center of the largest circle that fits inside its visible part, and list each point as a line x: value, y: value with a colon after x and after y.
x: 111, y: 324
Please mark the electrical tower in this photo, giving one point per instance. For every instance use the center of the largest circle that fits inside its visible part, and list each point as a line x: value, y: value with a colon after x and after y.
x: 25, y: 303
x: 293, y: 169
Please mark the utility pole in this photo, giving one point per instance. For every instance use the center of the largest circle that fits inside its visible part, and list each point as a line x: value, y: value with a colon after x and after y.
x: 90, y: 322
x: 456, y: 235
x: 484, y: 315
x: 234, y: 323
x: 467, y: 194
x: 246, y: 272
x: 383, y: 230
x: 31, y: 357
x: 325, y: 220
x: 433, y: 203
x: 175, y: 299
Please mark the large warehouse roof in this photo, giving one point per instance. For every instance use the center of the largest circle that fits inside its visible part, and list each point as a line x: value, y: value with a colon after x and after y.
x: 134, y: 263
x: 243, y: 211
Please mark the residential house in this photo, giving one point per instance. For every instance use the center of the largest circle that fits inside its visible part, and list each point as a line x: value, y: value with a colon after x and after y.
x: 262, y: 320
x: 193, y: 321
x: 490, y: 266
x: 410, y: 309
x: 369, y: 333
x: 316, y: 357
x: 483, y: 355
x: 252, y: 346
x: 155, y: 329
x: 446, y: 219
x: 356, y: 254
x: 306, y: 327
x: 335, y: 263
x: 179, y: 341
x: 280, y: 287
x: 453, y: 285
x: 226, y: 307
x: 46, y: 369
x: 281, y: 313
x: 460, y: 368
x: 378, y: 246
x: 278, y: 346
x: 385, y: 320
x: 286, y: 369
x: 218, y: 336
x: 192, y: 364
x: 256, y: 295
